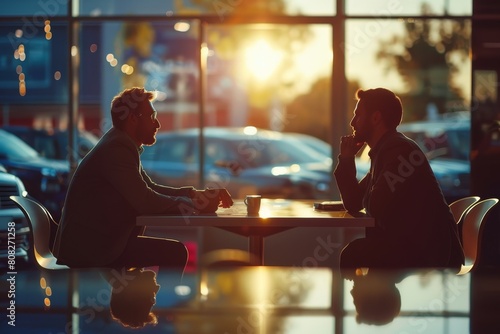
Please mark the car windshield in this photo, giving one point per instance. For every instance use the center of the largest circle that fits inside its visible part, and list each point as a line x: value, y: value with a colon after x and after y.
x: 314, y: 143
x: 13, y: 148
x: 257, y: 153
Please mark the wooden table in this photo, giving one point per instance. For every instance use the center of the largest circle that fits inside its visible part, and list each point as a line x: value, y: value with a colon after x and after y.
x: 276, y: 215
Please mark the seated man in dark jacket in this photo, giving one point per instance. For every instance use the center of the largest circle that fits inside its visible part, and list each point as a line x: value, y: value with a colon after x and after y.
x: 110, y: 188
x: 414, y: 226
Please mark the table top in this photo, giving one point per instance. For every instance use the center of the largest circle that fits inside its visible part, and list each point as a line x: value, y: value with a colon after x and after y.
x: 273, y: 213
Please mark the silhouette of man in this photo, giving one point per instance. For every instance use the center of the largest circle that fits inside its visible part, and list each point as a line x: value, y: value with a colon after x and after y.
x: 414, y: 226
x: 110, y: 188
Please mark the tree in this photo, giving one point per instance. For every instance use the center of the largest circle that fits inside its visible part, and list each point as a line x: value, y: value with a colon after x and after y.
x: 311, y: 112
x: 427, y: 58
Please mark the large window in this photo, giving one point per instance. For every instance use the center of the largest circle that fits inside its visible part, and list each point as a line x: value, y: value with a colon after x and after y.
x: 408, y: 7
x: 287, y: 66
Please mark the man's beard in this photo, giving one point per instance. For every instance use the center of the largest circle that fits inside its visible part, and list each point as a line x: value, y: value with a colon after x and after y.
x: 147, y: 138
x: 363, y: 135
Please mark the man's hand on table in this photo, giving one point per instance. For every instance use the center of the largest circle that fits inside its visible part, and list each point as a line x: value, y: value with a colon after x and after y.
x: 209, y: 200
x: 225, y: 198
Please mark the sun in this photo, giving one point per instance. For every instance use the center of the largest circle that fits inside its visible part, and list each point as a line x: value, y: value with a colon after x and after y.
x: 261, y: 59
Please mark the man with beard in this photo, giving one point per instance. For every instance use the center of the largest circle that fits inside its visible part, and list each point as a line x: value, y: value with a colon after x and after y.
x: 413, y: 224
x: 110, y: 188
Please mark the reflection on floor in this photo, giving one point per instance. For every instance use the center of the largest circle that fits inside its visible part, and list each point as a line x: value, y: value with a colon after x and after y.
x: 266, y: 300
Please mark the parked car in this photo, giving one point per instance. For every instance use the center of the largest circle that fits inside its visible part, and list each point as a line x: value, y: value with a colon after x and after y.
x: 46, y: 180
x: 446, y: 143
x: 244, y: 160
x: 13, y: 225
x: 54, y: 144
x: 316, y: 144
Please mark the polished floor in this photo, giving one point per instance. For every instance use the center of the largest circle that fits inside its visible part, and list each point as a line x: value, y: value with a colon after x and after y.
x: 245, y: 299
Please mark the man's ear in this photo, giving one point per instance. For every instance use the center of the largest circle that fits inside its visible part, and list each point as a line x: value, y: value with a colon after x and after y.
x: 133, y: 118
x: 377, y: 117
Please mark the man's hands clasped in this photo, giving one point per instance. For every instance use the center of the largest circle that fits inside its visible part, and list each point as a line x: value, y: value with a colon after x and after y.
x: 209, y: 200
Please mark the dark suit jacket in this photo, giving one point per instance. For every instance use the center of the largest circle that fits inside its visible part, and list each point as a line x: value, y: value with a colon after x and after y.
x: 108, y: 190
x: 403, y: 195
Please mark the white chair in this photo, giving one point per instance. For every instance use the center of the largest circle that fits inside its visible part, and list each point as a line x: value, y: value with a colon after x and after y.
x: 472, y: 230
x: 460, y: 206
x: 39, y: 222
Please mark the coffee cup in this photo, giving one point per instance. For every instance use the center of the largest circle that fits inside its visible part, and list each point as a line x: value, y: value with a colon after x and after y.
x: 253, y: 204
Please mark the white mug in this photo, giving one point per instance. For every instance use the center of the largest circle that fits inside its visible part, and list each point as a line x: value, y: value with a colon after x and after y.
x: 253, y: 204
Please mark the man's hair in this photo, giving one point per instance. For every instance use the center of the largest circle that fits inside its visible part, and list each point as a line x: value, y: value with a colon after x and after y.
x: 385, y: 101
x: 128, y: 102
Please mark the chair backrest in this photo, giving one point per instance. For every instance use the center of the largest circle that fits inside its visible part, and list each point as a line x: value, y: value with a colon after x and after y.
x: 472, y: 227
x: 460, y: 206
x: 39, y: 223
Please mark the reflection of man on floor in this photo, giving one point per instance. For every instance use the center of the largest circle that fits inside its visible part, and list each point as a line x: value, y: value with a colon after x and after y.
x: 133, y: 295
x: 376, y: 297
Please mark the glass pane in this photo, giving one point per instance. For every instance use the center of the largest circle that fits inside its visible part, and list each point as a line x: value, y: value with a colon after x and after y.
x: 462, y: 7
x: 425, y: 62
x: 415, y: 58
x: 408, y: 7
x: 257, y: 73
x: 124, y: 7
x: 267, y: 77
x: 33, y: 65
x: 35, y: 11
x: 160, y: 56
x: 198, y: 7
x: 262, y: 80
x: 310, y: 7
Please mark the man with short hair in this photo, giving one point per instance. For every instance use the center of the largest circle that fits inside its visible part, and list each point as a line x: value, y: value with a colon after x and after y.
x: 110, y: 188
x: 413, y: 224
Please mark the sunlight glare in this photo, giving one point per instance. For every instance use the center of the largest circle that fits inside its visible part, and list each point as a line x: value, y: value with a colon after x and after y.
x: 261, y: 59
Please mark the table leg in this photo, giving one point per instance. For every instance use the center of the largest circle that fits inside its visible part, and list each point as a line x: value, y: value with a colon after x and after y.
x: 256, y: 249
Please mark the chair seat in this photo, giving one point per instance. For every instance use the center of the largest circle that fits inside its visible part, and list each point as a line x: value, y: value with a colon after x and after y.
x: 49, y: 263
x: 39, y: 222
x: 465, y: 269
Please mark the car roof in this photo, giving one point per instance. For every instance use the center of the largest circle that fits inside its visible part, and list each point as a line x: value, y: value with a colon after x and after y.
x: 458, y: 121
x: 20, y: 128
x: 242, y: 133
